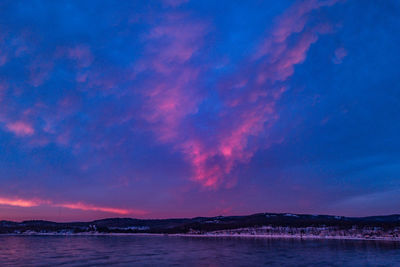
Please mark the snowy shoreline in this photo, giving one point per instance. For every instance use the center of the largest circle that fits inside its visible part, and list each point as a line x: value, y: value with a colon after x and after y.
x: 212, y: 235
x: 295, y: 237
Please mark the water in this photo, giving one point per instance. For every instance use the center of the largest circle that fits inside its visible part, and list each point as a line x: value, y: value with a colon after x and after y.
x: 192, y: 251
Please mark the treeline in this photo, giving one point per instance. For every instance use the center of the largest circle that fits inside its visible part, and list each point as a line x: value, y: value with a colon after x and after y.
x: 206, y: 224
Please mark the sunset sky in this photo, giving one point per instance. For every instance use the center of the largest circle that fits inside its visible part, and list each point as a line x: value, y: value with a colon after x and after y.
x: 178, y: 108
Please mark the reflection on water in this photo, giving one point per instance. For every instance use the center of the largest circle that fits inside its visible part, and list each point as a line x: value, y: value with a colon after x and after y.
x: 192, y: 251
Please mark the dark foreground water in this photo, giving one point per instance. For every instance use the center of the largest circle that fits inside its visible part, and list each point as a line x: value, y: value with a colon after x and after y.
x: 192, y: 251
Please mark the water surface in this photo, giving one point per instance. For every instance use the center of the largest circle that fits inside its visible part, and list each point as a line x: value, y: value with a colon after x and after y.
x: 192, y: 251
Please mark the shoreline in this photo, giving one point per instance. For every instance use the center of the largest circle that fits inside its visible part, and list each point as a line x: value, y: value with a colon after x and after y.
x: 297, y: 237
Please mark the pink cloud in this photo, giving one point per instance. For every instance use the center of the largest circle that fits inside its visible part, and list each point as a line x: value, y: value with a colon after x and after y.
x: 340, y: 54
x: 249, y: 113
x: 20, y: 128
x: 249, y: 97
x: 168, y: 104
x: 173, y: 94
x: 18, y: 202
x: 214, y: 160
x: 81, y: 54
x: 87, y: 207
x: 27, y: 203
x: 252, y: 111
x: 180, y: 40
x: 291, y: 22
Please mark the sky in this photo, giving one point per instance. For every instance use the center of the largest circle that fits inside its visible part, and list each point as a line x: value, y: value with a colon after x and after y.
x: 184, y: 108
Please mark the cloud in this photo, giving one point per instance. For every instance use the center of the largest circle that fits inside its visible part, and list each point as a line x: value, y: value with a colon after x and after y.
x: 26, y: 203
x: 87, y: 207
x: 172, y: 93
x: 20, y: 128
x: 81, y: 54
x: 293, y: 21
x: 163, y: 88
x: 18, y: 202
x: 340, y: 54
x: 249, y: 99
